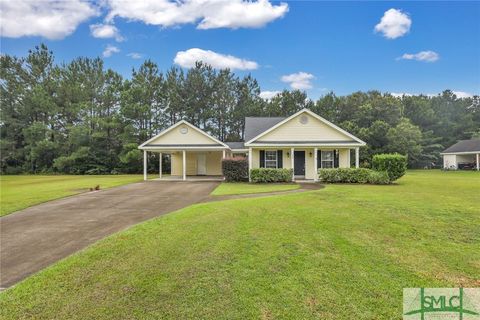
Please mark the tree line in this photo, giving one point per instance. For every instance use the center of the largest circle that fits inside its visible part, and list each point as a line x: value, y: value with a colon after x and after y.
x: 79, y: 117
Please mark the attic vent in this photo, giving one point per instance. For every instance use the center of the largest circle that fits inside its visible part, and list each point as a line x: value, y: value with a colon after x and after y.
x: 304, y: 119
x: 183, y: 130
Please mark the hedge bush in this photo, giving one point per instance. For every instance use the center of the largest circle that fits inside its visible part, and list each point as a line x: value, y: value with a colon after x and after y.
x: 378, y: 177
x: 394, y: 164
x: 353, y: 175
x: 235, y: 169
x: 271, y: 175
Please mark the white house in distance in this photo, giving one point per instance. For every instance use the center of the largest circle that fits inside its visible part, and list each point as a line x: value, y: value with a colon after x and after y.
x: 464, y: 154
x: 304, y: 142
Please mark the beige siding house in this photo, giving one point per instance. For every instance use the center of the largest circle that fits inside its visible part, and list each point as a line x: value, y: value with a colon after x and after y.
x: 304, y: 142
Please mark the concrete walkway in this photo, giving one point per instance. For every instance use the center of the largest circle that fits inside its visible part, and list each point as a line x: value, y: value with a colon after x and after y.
x: 36, y: 237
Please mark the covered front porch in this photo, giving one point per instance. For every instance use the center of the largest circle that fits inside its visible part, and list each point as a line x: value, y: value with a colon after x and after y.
x: 200, y: 164
x: 305, y: 161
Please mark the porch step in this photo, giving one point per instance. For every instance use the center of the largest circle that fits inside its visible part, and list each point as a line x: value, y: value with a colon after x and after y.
x: 304, y: 181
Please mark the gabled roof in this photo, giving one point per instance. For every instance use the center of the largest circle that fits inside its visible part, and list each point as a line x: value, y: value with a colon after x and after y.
x: 256, y: 125
x: 325, y: 121
x: 217, y: 142
x: 462, y: 146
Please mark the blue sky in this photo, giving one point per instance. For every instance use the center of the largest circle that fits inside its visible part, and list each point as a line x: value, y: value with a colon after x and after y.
x: 315, y: 46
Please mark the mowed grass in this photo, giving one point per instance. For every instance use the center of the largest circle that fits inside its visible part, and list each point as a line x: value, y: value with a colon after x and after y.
x: 227, y: 188
x: 342, y: 252
x: 22, y: 191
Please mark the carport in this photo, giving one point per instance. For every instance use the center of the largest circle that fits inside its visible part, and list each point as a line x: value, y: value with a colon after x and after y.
x: 464, y: 154
x: 193, y: 152
x: 188, y: 162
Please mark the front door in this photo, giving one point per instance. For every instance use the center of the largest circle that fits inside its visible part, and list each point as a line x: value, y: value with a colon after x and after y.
x: 201, y: 164
x: 299, y: 163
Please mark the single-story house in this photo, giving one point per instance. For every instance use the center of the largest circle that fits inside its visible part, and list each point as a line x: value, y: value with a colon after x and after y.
x: 304, y: 141
x: 464, y: 154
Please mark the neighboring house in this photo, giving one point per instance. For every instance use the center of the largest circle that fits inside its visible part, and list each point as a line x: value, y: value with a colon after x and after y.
x: 464, y: 154
x: 304, y: 141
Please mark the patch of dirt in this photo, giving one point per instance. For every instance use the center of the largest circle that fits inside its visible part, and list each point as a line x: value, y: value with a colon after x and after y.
x: 266, y: 314
x: 311, y: 303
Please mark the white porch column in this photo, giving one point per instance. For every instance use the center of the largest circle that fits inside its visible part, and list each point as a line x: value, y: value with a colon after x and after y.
x: 348, y: 157
x: 145, y: 165
x: 292, y: 158
x: 184, y: 165
x: 223, y: 155
x: 478, y: 161
x: 160, y: 165
x: 357, y: 157
x: 250, y: 156
x: 315, y: 151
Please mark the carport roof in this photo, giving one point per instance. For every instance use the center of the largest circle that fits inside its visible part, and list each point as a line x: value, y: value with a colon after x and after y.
x: 464, y: 146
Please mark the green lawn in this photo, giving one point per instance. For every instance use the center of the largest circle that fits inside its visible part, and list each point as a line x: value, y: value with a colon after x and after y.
x: 342, y: 252
x: 19, y: 192
x: 227, y: 188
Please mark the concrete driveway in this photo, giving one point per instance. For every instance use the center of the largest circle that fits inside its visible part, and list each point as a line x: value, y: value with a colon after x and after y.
x: 36, y: 237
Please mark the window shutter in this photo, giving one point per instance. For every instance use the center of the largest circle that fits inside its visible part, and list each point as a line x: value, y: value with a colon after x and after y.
x: 335, y: 158
x: 279, y: 159
x: 262, y: 158
x: 319, y: 159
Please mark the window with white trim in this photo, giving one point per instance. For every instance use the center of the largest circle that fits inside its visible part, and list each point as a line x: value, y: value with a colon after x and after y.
x: 270, y: 159
x: 327, y: 159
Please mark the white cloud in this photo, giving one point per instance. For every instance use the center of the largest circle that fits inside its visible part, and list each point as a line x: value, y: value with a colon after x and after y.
x: 105, y: 31
x: 51, y: 19
x: 267, y: 95
x: 401, y: 94
x: 463, y: 94
x: 427, y: 56
x: 135, y: 55
x: 394, y: 24
x: 459, y: 94
x: 208, y: 14
x: 299, y: 80
x: 408, y: 94
x: 109, y: 50
x: 188, y: 58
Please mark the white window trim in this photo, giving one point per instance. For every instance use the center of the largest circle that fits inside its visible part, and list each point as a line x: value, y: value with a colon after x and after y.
x: 276, y: 159
x: 332, y: 161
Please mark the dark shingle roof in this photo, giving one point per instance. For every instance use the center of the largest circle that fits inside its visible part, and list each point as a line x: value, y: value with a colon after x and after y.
x: 256, y: 125
x: 235, y: 145
x: 464, y: 146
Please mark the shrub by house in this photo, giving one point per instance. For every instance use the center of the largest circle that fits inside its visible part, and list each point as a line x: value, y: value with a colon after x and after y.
x: 353, y: 175
x: 235, y: 169
x: 261, y: 175
x: 394, y: 164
